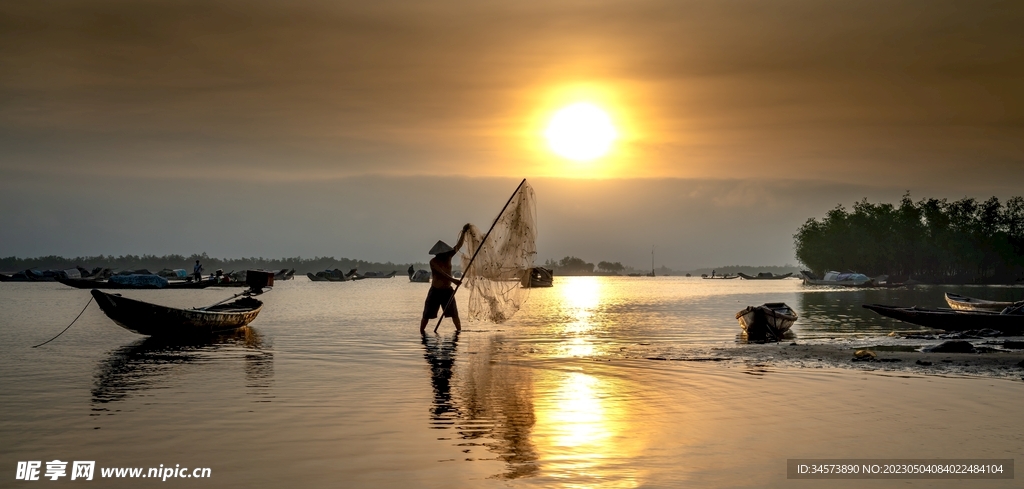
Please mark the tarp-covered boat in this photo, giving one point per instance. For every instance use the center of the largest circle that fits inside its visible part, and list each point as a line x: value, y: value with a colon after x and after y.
x: 420, y: 276
x: 121, y: 285
x: 840, y: 279
x: 1011, y: 322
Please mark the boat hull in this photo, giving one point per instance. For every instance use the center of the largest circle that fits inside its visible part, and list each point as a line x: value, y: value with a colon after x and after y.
x: 952, y: 320
x: 770, y: 320
x: 764, y: 277
x: 156, y: 320
x: 963, y: 303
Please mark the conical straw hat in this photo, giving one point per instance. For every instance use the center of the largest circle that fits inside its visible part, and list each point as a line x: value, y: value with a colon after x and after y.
x: 440, y: 247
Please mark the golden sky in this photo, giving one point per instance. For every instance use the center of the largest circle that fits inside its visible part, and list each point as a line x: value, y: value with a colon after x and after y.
x: 839, y: 91
x: 714, y: 102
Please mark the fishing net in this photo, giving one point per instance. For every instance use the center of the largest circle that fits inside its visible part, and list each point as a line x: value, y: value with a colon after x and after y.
x: 496, y: 277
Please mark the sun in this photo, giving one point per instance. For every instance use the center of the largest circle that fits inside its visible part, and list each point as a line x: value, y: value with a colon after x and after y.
x: 581, y: 132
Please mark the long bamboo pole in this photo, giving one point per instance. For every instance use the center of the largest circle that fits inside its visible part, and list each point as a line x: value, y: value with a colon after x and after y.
x: 478, y: 248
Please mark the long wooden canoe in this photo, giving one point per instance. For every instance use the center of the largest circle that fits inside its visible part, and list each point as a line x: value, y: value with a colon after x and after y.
x: 764, y: 276
x: 156, y: 320
x: 964, y: 303
x: 951, y: 320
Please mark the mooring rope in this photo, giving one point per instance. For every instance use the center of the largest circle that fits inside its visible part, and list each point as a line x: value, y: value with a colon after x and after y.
x: 69, y: 326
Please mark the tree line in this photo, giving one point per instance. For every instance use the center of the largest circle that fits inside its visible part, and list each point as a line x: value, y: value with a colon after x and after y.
x: 572, y: 265
x: 155, y: 263
x: 933, y: 240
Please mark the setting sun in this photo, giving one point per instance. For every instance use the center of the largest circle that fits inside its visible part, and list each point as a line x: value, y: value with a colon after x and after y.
x: 581, y: 132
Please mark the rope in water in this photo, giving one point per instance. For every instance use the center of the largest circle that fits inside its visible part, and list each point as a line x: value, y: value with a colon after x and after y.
x: 69, y: 326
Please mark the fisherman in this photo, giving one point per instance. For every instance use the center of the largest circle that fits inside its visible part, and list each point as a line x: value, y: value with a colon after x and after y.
x: 412, y: 271
x: 441, y: 293
x: 197, y: 272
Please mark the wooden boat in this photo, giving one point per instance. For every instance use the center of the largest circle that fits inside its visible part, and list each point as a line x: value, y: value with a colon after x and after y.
x: 767, y: 321
x: 284, y: 274
x: 953, y: 320
x: 718, y: 277
x: 107, y: 285
x: 764, y: 276
x: 377, y: 275
x: 964, y: 303
x: 334, y: 276
x: 156, y: 320
x: 538, y: 277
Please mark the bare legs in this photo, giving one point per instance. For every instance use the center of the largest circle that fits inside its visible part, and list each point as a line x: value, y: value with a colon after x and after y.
x: 455, y: 320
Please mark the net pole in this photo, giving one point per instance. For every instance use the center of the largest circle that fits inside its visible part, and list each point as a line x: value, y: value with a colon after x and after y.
x: 478, y: 248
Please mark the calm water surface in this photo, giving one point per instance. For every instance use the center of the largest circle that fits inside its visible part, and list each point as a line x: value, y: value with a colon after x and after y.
x: 332, y: 386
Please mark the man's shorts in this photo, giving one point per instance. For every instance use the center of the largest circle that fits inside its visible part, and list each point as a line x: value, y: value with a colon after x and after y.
x: 438, y: 298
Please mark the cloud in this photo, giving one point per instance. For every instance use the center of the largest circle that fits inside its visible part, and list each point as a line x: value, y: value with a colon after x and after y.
x: 842, y: 91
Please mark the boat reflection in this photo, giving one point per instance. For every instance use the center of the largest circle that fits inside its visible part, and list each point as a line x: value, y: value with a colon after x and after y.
x: 488, y: 404
x: 149, y: 362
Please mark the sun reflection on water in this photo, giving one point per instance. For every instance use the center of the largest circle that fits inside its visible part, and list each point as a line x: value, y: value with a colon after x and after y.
x: 582, y: 418
x: 581, y: 297
x: 581, y: 431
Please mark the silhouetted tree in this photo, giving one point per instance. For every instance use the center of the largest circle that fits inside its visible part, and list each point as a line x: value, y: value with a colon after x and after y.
x: 932, y: 239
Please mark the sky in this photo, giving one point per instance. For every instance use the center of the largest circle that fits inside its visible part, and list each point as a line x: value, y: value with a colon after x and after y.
x: 370, y: 130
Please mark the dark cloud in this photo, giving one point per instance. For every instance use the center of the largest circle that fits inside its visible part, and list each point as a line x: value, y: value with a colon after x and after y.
x: 336, y: 88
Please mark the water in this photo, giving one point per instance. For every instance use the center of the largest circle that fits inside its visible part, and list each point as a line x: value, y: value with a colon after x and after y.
x: 333, y: 386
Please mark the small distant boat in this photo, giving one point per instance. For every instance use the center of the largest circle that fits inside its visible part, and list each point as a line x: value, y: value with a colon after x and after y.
x: 156, y: 320
x: 538, y: 277
x: 420, y: 276
x: 839, y: 279
x: 764, y: 276
x: 1010, y: 321
x: 963, y: 303
x: 377, y: 275
x: 334, y: 276
x: 768, y: 321
x: 284, y: 274
x: 718, y: 277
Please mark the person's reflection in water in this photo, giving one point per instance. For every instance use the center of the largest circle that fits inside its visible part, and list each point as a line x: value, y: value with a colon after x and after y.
x: 440, y: 354
x: 490, y: 407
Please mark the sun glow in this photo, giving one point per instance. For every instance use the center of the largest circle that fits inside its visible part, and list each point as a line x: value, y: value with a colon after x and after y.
x: 581, y: 132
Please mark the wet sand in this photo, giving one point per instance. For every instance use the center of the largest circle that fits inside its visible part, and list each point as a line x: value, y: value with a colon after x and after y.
x: 1006, y: 364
